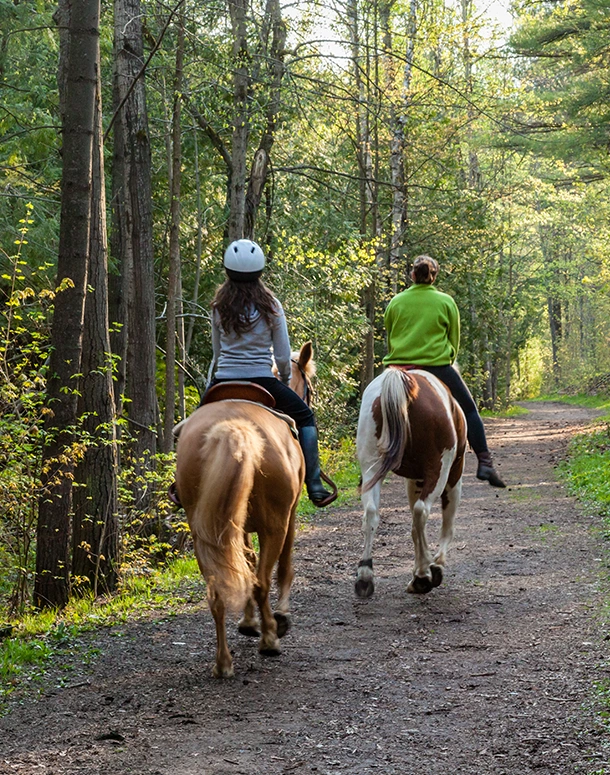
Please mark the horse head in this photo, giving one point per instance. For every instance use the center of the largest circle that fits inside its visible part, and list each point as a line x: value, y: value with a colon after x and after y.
x: 303, y: 372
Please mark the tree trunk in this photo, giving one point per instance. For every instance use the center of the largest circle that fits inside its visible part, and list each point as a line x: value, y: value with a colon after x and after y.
x: 95, y: 538
x: 137, y: 236
x: 365, y: 169
x: 241, y: 123
x: 398, y: 120
x: 174, y: 252
x: 193, y: 311
x: 119, y: 278
x: 260, y: 165
x: 53, y: 530
x: 554, y: 310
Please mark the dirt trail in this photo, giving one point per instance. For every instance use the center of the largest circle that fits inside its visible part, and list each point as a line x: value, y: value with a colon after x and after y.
x: 490, y: 673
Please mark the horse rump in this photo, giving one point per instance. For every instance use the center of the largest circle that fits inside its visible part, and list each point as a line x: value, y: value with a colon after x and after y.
x: 398, y: 390
x: 231, y: 453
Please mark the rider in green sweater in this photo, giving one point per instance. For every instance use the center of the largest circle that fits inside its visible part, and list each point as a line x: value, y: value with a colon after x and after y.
x: 423, y: 330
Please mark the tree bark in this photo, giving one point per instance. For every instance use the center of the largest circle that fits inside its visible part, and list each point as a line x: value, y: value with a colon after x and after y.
x: 95, y: 538
x: 136, y: 228
x: 365, y: 169
x: 260, y: 165
x: 53, y: 530
x: 241, y: 122
x: 174, y: 251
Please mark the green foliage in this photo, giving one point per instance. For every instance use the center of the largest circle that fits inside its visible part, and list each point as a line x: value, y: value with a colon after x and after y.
x: 50, y: 635
x: 340, y: 464
x: 587, y: 471
x: 320, y: 293
x: 23, y: 328
x: 17, y: 657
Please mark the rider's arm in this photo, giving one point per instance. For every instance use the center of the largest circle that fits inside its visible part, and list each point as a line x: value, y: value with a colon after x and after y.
x: 215, y: 341
x: 281, y: 345
x: 454, y: 328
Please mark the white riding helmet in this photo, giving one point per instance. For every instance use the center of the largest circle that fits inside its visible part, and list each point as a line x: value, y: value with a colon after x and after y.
x: 244, y: 260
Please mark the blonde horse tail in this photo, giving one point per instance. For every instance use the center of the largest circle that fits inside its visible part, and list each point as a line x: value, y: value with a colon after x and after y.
x: 398, y: 389
x: 232, y: 453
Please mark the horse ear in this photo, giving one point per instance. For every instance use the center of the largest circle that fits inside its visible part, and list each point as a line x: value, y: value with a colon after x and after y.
x: 305, y: 354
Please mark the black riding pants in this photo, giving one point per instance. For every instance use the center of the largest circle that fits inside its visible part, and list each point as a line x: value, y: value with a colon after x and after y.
x: 451, y: 377
x: 286, y: 400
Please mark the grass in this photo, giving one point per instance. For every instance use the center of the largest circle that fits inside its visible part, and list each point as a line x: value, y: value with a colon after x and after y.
x: 38, y: 637
x: 341, y: 466
x: 586, y: 473
x: 587, y: 470
x: 511, y: 411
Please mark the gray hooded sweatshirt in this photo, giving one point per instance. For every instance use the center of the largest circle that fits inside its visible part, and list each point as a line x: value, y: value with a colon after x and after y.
x: 252, y: 353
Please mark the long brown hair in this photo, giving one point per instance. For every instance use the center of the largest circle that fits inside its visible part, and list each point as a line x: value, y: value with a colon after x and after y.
x: 235, y: 302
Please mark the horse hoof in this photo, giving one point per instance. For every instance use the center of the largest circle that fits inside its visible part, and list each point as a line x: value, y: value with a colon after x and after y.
x: 282, y: 622
x: 270, y: 651
x: 437, y: 575
x: 364, y: 587
x: 222, y: 672
x: 248, y: 629
x: 420, y: 585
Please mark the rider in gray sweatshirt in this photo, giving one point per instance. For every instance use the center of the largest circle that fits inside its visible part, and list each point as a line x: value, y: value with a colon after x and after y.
x: 249, y: 333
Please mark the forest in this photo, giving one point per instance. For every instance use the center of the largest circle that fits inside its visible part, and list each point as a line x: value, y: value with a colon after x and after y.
x: 139, y: 137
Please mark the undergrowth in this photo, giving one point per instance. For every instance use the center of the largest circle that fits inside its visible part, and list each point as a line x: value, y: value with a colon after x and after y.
x: 586, y: 473
x: 35, y: 638
x: 341, y: 465
x: 511, y: 411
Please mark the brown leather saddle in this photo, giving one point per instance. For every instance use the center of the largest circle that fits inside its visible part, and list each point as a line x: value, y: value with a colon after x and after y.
x: 239, y: 390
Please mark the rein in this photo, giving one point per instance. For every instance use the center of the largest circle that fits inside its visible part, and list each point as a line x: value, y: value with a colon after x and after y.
x: 307, y: 392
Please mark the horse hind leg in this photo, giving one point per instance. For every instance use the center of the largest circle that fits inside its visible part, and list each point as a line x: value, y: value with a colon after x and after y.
x: 365, y: 579
x: 422, y: 580
x: 285, y: 575
x: 271, y: 546
x: 224, y: 662
x: 450, y: 501
x: 248, y: 624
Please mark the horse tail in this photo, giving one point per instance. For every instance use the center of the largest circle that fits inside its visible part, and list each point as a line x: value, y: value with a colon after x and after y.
x: 232, y: 453
x: 398, y: 389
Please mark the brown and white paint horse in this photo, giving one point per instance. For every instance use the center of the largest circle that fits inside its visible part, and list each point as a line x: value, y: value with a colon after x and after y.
x: 410, y: 424
x: 240, y: 470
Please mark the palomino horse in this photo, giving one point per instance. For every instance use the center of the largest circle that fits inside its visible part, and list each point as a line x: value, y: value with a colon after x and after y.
x: 410, y: 424
x: 240, y: 470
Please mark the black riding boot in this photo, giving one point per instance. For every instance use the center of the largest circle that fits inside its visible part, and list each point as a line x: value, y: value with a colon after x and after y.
x: 486, y: 470
x: 318, y: 494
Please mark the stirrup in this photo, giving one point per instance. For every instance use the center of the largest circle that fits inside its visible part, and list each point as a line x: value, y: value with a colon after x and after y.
x: 328, y: 499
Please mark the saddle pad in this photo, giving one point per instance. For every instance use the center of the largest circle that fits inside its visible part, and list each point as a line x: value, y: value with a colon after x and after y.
x: 246, y: 391
x: 404, y: 366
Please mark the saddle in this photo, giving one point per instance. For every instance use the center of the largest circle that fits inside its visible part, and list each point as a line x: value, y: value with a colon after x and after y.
x: 239, y: 390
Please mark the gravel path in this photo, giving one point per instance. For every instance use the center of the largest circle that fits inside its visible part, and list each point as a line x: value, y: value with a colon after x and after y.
x: 493, y: 672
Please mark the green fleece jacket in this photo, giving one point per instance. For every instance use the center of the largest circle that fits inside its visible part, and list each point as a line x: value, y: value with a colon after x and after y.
x: 423, y: 327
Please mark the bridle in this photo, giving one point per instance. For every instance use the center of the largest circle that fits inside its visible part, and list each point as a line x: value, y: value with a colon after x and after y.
x: 307, y: 391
